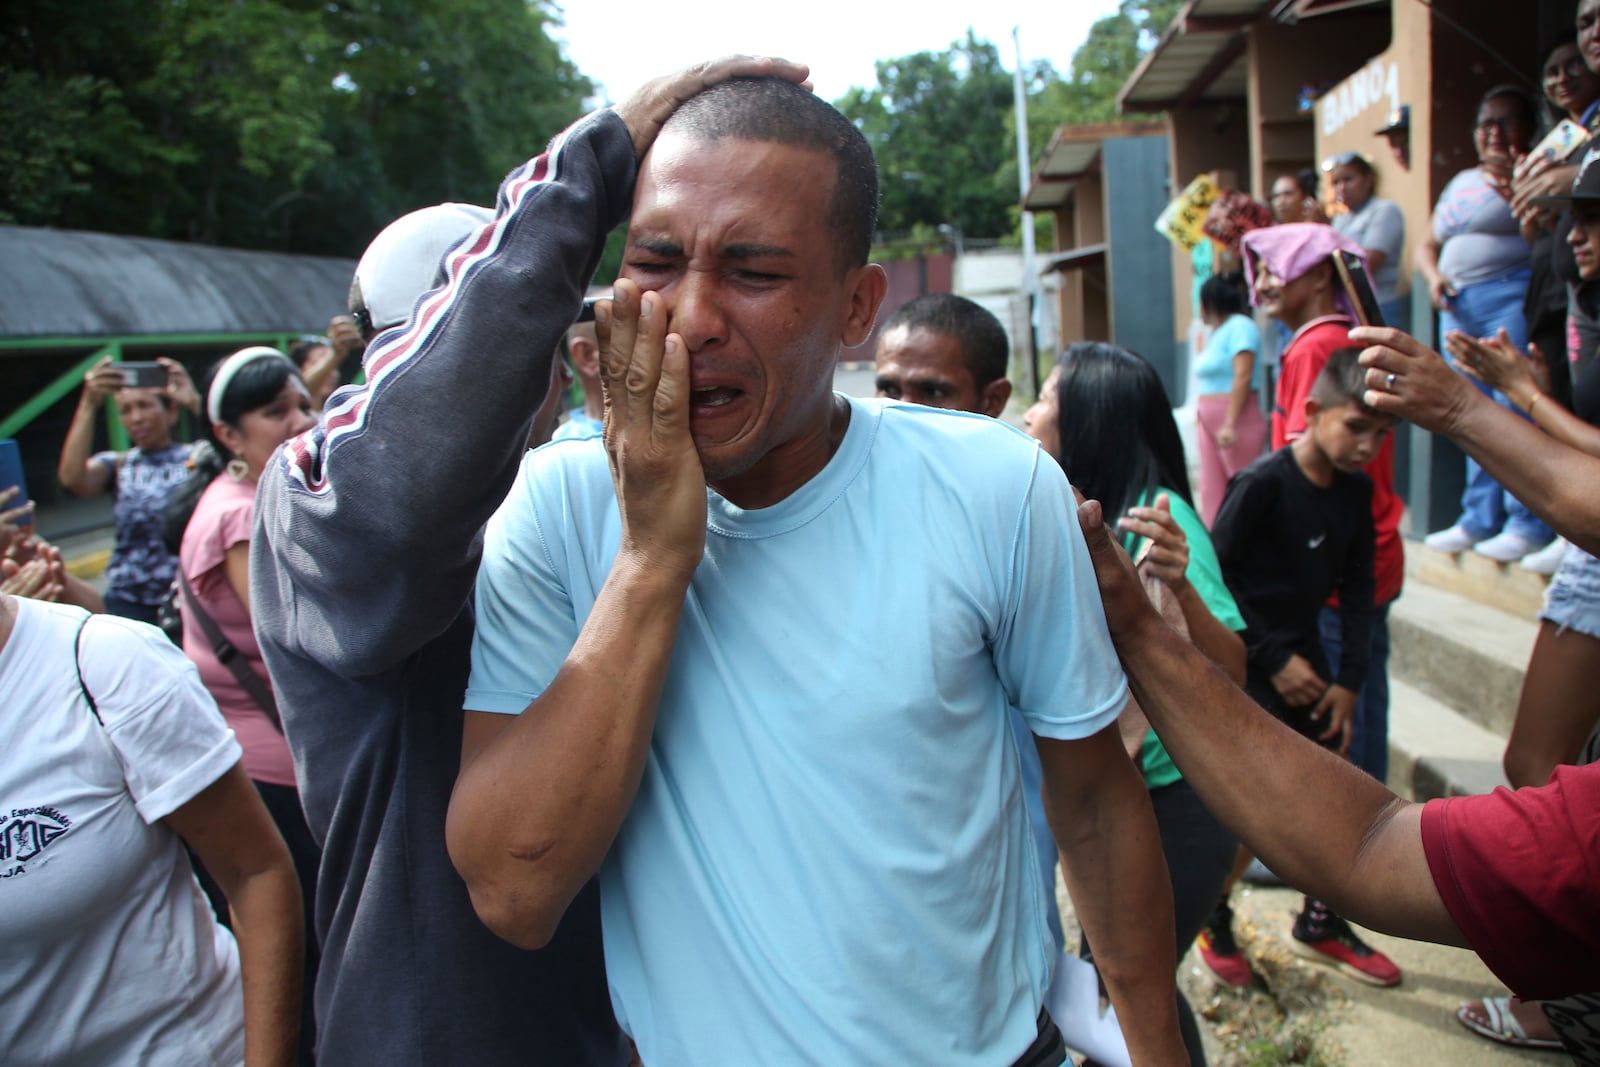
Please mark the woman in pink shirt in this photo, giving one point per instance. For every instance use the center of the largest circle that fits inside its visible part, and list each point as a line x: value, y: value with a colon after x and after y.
x: 255, y: 401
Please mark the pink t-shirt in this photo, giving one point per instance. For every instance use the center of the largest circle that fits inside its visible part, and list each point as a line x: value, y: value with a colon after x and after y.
x: 221, y: 520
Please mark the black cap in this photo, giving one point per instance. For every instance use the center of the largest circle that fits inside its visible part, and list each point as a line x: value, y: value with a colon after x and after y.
x: 1399, y: 119
x: 1585, y: 188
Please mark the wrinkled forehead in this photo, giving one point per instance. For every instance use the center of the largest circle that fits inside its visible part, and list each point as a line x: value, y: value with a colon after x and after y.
x: 923, y: 349
x: 753, y: 193
x: 677, y: 146
x: 139, y: 397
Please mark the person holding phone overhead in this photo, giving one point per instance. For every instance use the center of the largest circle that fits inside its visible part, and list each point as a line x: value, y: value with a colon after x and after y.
x: 141, y: 569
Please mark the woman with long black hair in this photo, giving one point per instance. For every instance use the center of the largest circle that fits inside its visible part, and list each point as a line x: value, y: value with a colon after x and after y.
x: 1104, y: 415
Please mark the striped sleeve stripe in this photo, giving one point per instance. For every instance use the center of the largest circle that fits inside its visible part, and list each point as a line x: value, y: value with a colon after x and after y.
x: 308, y: 456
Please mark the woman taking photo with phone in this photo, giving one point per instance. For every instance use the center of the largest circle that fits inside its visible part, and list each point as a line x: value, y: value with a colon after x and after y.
x: 255, y: 401
x: 141, y: 569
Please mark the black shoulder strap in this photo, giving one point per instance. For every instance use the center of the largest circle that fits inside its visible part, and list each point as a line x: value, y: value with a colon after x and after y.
x: 229, y: 656
x: 77, y: 662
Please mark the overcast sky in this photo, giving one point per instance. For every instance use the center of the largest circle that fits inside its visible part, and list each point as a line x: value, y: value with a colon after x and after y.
x: 622, y: 43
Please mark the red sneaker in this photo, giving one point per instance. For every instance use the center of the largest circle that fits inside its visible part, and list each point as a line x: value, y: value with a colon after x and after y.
x: 1333, y: 943
x: 1223, y: 958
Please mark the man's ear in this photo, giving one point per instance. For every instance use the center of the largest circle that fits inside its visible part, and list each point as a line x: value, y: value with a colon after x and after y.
x: 992, y: 401
x: 1322, y: 274
x: 867, y: 286
x: 585, y: 355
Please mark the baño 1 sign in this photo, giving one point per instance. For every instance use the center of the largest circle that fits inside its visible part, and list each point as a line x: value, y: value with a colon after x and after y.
x: 1376, y: 85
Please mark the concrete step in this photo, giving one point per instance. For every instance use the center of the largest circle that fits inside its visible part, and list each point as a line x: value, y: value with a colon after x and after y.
x: 1435, y: 751
x: 1503, y: 586
x: 1461, y: 652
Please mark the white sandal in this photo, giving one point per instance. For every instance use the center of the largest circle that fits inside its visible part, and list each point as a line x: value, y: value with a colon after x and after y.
x: 1500, y: 1024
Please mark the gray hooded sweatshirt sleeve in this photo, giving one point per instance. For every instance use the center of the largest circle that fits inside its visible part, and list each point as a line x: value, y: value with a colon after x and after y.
x: 367, y: 539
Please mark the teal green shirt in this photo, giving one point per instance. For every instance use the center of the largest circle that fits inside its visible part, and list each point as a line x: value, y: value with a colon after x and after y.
x: 1205, y: 574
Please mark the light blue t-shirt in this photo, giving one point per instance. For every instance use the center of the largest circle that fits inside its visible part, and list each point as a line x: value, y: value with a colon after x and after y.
x: 828, y: 861
x: 1214, y: 368
x: 578, y: 424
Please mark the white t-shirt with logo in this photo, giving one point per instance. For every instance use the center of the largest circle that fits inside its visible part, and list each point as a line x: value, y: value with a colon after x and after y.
x: 112, y: 955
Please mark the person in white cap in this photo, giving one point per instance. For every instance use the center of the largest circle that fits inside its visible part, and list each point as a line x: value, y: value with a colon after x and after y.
x: 368, y: 535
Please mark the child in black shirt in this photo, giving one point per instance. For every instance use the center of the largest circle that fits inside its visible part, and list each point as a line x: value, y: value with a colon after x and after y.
x: 1295, y: 527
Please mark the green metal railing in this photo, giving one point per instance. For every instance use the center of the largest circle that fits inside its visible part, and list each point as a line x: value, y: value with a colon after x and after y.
x: 72, y: 378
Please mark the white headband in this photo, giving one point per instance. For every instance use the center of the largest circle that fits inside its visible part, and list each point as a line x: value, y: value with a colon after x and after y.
x: 230, y: 370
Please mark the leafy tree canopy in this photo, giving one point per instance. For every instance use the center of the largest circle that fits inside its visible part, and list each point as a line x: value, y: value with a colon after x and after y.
x: 289, y: 124
x: 943, y: 124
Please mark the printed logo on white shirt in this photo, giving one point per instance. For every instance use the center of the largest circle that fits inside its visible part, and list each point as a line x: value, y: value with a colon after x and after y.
x: 25, y: 833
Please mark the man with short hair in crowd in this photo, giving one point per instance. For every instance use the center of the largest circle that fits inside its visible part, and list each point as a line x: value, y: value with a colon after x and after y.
x: 368, y: 535
x: 944, y: 351
x: 751, y: 658
x: 584, y: 352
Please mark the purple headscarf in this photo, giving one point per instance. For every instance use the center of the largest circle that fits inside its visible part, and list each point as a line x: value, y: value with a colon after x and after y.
x: 1292, y: 249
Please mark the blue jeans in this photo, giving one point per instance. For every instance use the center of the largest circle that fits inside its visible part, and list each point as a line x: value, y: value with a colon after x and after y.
x: 1369, y: 734
x: 1482, y: 310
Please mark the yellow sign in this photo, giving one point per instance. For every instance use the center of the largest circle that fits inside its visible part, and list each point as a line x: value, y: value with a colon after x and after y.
x: 1182, y: 219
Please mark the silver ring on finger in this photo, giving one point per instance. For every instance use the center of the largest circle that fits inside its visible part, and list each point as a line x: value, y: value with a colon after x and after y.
x: 1388, y: 383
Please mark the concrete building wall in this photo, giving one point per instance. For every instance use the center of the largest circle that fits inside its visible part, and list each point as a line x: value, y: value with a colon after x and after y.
x: 1283, y: 59
x: 985, y: 271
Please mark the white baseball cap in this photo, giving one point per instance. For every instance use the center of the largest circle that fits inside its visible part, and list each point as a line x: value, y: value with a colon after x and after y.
x: 403, y: 262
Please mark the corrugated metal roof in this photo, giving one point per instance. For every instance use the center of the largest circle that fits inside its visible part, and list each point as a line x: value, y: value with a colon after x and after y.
x: 1073, y: 152
x: 65, y: 283
x: 1199, y: 57
x: 1075, y: 259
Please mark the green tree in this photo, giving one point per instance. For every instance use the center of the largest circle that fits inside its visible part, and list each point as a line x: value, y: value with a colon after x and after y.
x: 302, y: 125
x: 1100, y: 67
x: 943, y: 125
x: 180, y: 94
x: 436, y: 100
x: 937, y: 123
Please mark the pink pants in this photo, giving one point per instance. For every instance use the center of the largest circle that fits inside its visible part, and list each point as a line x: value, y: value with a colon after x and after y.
x: 1218, y: 464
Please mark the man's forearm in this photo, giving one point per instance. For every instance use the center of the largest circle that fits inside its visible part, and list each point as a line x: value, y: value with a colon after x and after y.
x: 1560, y: 484
x: 1121, y: 892
x: 268, y: 922
x: 1221, y: 645
x: 1267, y: 784
x: 537, y: 805
x: 75, y: 450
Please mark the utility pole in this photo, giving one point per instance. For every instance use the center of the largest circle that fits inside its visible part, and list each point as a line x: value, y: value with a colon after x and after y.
x: 1024, y: 173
